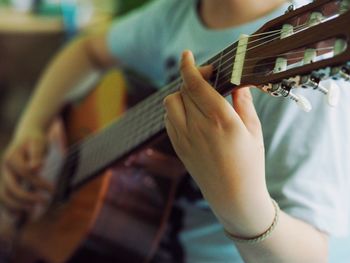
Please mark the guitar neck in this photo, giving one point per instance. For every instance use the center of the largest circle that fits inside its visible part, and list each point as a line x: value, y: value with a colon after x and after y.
x: 135, y: 128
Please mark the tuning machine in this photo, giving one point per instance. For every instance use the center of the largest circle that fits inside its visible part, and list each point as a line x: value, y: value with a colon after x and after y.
x: 345, y: 72
x: 290, y: 8
x: 342, y: 72
x: 332, y: 91
x: 284, y: 89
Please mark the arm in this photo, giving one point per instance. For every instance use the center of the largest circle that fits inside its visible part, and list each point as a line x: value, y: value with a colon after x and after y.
x: 230, y: 164
x: 24, y: 155
x: 67, y: 69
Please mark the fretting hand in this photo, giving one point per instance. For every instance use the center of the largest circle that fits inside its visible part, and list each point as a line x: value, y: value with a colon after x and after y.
x: 222, y: 148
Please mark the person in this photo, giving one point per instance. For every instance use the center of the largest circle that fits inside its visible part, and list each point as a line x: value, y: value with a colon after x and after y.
x: 222, y: 147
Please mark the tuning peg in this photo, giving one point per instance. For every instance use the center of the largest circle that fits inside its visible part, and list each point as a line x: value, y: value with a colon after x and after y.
x: 342, y: 72
x: 332, y: 92
x: 290, y: 9
x: 345, y: 72
x: 284, y: 88
x: 302, y: 102
x: 315, y: 18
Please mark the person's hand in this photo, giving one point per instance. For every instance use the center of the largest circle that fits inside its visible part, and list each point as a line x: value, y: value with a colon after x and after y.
x: 221, y: 146
x: 156, y: 163
x: 21, y: 189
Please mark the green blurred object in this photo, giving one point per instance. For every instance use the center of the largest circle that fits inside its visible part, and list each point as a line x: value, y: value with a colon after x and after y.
x: 4, y: 2
x: 48, y: 9
x: 127, y: 5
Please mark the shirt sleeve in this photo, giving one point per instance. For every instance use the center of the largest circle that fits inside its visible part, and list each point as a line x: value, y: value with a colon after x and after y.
x: 307, y: 158
x: 135, y: 38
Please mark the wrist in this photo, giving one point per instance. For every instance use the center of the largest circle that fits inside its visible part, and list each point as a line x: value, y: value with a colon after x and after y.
x: 259, y: 237
x: 249, y: 216
x: 24, y: 130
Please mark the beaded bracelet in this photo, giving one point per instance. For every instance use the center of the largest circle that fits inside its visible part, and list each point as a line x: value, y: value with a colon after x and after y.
x: 261, y: 237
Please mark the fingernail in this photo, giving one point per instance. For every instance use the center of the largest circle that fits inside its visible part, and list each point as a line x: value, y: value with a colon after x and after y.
x: 187, y: 54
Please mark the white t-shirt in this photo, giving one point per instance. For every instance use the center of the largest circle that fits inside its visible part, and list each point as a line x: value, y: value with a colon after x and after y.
x: 307, y: 165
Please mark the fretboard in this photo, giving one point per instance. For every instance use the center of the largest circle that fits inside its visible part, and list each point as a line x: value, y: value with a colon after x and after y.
x: 140, y: 124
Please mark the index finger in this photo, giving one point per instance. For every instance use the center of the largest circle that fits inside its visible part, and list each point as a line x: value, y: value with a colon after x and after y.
x: 204, y: 96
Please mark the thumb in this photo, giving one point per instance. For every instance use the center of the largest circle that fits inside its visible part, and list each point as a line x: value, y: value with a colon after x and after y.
x: 243, y: 105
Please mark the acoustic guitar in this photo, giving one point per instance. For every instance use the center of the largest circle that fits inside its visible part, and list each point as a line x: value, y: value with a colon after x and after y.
x: 100, y: 206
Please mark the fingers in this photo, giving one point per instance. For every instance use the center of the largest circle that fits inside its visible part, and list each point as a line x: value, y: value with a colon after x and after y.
x: 36, y: 152
x: 20, y: 169
x: 15, y: 188
x: 23, y: 169
x: 243, y: 105
x: 203, y: 95
x: 15, y: 197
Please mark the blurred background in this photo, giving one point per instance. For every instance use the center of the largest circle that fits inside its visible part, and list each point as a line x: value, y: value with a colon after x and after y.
x: 31, y: 31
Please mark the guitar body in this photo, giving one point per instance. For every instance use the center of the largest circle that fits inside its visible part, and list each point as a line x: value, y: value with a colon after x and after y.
x: 117, y: 217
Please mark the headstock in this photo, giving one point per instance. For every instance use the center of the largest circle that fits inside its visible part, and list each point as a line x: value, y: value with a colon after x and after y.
x: 299, y: 49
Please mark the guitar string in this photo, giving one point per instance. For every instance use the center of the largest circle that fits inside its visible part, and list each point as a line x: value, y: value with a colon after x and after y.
x: 262, y: 73
x: 221, y: 77
x: 217, y: 60
x: 148, y: 100
x: 288, y: 53
x: 70, y: 150
x: 273, y: 63
x: 292, y: 59
x: 156, y: 119
x: 151, y: 119
x: 178, y: 81
x: 285, y: 54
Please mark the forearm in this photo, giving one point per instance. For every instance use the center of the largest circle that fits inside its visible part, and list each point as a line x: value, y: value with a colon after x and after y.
x: 250, y: 214
x: 67, y: 69
x: 291, y: 241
